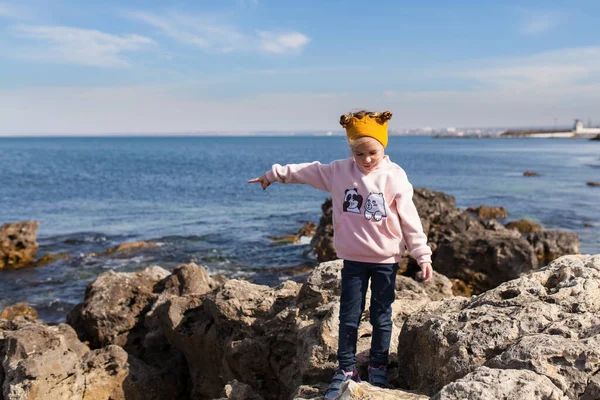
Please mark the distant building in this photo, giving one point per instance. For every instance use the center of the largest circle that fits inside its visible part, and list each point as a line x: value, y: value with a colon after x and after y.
x: 578, y: 131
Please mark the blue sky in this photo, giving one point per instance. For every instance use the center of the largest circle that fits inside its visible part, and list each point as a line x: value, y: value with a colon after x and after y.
x: 93, y: 67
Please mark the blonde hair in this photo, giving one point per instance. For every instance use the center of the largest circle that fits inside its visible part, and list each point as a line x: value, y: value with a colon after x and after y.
x: 360, y: 140
x: 384, y: 116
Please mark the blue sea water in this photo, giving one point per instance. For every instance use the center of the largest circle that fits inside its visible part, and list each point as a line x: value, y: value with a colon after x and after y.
x: 190, y: 195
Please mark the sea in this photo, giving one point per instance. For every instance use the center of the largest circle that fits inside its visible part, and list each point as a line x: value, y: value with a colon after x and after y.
x: 190, y: 196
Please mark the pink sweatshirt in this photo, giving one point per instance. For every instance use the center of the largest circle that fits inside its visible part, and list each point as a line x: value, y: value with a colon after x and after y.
x: 374, y: 217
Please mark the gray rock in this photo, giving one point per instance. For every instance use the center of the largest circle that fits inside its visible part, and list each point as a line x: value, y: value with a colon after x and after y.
x: 485, y: 261
x: 569, y: 363
x: 493, y: 384
x: 273, y: 339
x: 187, y: 279
x: 549, y: 245
x: 447, y: 340
x: 112, y: 312
x: 49, y: 362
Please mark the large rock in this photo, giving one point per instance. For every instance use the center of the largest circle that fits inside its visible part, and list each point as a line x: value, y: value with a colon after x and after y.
x: 238, y: 332
x: 568, y: 362
x: 114, y: 305
x: 494, y: 384
x: 546, y: 322
x: 18, y: 244
x: 549, y: 245
x: 485, y: 261
x: 273, y: 339
x: 49, y: 362
x: 119, y: 308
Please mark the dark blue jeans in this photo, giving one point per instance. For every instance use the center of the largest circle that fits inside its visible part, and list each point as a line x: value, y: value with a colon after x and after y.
x: 355, y: 281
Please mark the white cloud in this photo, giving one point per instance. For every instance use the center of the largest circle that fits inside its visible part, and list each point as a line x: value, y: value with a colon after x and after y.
x: 11, y: 11
x: 535, y: 23
x: 282, y: 43
x: 562, y: 67
x: 68, y: 45
x: 521, y: 91
x: 211, y: 35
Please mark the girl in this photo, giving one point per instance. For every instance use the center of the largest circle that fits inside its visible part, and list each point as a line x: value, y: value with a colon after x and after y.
x: 374, y: 219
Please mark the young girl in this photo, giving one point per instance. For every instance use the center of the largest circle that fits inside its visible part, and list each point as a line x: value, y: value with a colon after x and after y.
x: 374, y: 219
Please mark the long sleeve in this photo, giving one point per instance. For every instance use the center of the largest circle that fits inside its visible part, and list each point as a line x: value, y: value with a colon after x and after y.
x: 314, y: 174
x: 412, y: 229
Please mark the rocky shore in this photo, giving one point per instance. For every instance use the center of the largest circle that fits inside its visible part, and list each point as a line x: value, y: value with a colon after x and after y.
x: 181, y: 335
x: 505, y: 316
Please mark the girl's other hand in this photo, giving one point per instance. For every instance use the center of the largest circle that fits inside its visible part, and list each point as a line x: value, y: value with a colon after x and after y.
x: 426, y: 272
x: 264, y: 182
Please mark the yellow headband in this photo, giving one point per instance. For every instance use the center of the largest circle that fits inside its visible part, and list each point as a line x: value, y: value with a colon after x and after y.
x: 367, y: 126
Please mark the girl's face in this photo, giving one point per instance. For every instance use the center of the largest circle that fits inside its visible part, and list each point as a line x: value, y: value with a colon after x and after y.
x: 368, y: 152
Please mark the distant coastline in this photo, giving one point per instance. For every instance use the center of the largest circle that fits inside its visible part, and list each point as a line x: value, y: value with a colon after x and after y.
x: 577, y: 131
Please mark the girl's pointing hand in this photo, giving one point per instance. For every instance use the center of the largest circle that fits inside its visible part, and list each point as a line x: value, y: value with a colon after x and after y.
x: 264, y: 182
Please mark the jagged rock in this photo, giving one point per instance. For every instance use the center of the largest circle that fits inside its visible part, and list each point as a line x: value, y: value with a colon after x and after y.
x: 432, y: 204
x: 557, y: 306
x: 549, y: 245
x: 484, y: 261
x: 494, y: 384
x: 567, y: 362
x: 18, y: 310
x: 238, y: 332
x: 49, y: 362
x: 118, y: 309
x: 322, y: 285
x: 114, y: 306
x: 530, y: 173
x: 18, y: 244
x: 363, y: 391
x: 273, y: 339
x: 524, y: 226
x: 187, y: 279
x: 487, y: 212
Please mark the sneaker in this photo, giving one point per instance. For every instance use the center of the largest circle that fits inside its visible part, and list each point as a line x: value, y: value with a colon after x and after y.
x: 378, y: 376
x: 341, y: 376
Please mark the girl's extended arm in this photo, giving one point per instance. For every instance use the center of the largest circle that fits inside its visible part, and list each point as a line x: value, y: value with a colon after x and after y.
x: 314, y: 174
